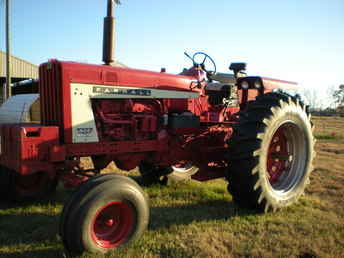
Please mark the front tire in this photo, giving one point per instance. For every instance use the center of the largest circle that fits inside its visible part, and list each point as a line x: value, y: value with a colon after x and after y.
x: 75, y: 199
x: 108, y: 215
x: 270, y: 153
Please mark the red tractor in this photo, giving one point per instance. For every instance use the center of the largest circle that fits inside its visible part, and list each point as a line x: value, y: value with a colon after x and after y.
x: 200, y: 124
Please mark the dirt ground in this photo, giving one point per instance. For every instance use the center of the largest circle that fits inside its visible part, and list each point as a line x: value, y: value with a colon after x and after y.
x: 327, y: 180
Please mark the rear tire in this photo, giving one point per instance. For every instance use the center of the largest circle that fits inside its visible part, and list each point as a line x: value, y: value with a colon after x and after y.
x: 270, y: 153
x: 107, y: 215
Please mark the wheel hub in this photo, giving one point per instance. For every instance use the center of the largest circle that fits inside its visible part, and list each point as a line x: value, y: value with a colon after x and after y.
x: 279, y: 156
x: 112, y: 224
x: 109, y: 222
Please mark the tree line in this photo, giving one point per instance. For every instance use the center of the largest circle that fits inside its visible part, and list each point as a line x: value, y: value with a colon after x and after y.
x: 331, y: 102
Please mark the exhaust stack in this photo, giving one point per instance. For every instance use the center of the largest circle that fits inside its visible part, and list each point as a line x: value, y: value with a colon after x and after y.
x: 109, y: 33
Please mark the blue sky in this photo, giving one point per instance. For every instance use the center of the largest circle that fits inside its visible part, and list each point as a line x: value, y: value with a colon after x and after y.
x: 298, y: 40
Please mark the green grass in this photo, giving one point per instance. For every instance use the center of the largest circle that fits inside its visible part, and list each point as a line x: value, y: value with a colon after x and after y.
x: 328, y: 137
x: 190, y: 220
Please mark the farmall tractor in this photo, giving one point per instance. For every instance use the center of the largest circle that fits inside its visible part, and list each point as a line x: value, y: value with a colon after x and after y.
x: 200, y: 124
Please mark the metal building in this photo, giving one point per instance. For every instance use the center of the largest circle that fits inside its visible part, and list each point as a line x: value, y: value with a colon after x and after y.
x: 20, y: 70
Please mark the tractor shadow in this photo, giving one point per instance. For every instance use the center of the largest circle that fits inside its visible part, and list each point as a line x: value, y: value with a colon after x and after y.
x: 57, y: 198
x: 164, y: 217
x: 28, y: 232
x: 209, y: 210
x: 51, y: 253
x: 35, y: 224
x: 29, y: 228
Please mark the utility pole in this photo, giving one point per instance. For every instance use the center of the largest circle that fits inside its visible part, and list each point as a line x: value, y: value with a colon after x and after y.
x: 7, y: 91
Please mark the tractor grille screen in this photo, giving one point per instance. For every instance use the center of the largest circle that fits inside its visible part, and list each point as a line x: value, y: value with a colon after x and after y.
x: 50, y: 94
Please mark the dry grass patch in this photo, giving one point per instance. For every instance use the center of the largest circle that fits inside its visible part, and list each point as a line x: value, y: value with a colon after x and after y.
x: 332, y: 126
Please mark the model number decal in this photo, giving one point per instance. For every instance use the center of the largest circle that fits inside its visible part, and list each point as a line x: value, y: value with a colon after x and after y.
x: 121, y: 91
x: 84, y: 132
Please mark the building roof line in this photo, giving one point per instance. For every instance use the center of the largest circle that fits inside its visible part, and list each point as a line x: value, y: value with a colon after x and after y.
x: 19, y: 59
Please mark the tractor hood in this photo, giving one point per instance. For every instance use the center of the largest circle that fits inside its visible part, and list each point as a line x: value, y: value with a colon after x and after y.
x: 123, y: 76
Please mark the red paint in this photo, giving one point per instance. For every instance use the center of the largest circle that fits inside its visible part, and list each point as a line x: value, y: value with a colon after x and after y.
x: 278, y: 146
x: 28, y: 148
x: 126, y: 119
x: 56, y: 76
x: 112, y: 224
x: 129, y: 130
x: 270, y: 84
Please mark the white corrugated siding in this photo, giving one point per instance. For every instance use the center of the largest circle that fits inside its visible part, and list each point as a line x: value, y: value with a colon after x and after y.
x: 19, y: 68
x: 18, y: 109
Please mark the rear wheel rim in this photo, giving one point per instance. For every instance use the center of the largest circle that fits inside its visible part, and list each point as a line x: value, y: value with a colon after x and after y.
x: 286, y: 159
x: 112, y: 224
x: 182, y: 167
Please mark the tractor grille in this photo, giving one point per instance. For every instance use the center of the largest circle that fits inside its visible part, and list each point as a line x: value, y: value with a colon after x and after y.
x: 50, y: 94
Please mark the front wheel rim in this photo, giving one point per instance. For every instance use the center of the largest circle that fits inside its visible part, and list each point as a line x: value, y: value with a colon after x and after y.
x: 112, y: 224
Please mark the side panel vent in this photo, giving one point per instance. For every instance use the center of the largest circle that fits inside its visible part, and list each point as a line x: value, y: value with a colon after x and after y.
x: 50, y: 94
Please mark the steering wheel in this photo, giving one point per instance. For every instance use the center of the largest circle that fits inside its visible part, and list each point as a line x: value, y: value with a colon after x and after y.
x: 200, y: 55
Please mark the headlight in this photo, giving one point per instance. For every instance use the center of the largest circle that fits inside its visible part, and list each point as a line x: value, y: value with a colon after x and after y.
x: 244, y: 85
x: 257, y: 84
